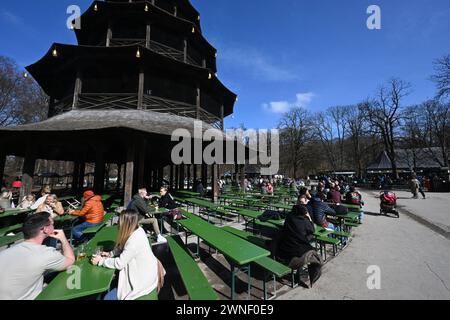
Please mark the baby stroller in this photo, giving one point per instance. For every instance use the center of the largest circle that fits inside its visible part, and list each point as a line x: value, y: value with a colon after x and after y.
x: 388, y: 203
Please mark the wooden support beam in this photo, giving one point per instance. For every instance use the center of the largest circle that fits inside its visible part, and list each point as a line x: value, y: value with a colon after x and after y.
x: 222, y: 123
x: 171, y: 177
x: 2, y: 166
x: 108, y: 36
x: 75, y: 173
x: 177, y: 177
x: 129, y: 172
x: 214, y: 182
x: 185, y: 48
x: 140, y: 163
x: 188, y: 168
x: 204, y: 175
x: 119, y: 177
x: 148, y: 36
x: 160, y: 178
x: 99, y: 173
x: 141, y: 89
x: 181, y: 181
x: 77, y: 90
x: 194, y: 174
x: 198, y: 103
x: 27, y: 174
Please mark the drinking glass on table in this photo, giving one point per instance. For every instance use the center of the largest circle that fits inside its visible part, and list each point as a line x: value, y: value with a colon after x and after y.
x: 81, y: 253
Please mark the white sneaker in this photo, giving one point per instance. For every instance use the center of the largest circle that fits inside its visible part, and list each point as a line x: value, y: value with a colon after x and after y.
x: 161, y: 239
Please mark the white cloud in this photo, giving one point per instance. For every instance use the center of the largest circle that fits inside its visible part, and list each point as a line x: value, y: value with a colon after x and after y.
x: 11, y: 17
x: 303, y: 100
x: 255, y: 63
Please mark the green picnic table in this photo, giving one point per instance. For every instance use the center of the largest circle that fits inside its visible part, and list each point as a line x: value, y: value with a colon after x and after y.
x: 93, y: 280
x: 240, y: 252
x: 14, y: 212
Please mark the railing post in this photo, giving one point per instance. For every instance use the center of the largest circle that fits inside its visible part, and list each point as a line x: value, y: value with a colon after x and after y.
x: 148, y: 36
x: 77, y: 91
x: 141, y: 89
x: 108, y: 36
x: 198, y: 102
x: 185, y: 46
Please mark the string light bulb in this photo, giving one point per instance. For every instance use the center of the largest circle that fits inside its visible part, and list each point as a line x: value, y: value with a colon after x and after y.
x: 95, y: 7
x: 146, y: 8
x: 138, y: 53
x: 193, y: 29
x: 209, y: 76
x: 55, y: 53
x: 198, y: 17
x: 25, y: 75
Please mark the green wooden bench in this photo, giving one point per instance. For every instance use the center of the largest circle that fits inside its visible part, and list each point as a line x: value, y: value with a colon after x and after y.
x: 323, y: 241
x: 195, y: 282
x: 152, y: 296
x: 7, y: 241
x: 109, y: 216
x: 269, y: 265
x: 4, y: 231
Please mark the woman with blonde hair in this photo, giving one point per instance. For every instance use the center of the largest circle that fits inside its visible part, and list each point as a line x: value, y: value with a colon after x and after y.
x: 140, y: 271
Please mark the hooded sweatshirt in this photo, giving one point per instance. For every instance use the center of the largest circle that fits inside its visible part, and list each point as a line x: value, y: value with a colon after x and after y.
x: 92, y: 210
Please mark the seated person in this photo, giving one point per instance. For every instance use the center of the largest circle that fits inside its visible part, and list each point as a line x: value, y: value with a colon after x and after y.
x: 52, y: 206
x: 46, y: 190
x: 294, y: 244
x: 92, y: 211
x: 140, y: 205
x: 334, y: 195
x: 354, y: 197
x: 23, y: 265
x: 140, y: 271
x: 319, y: 211
x: 27, y: 202
x: 165, y: 200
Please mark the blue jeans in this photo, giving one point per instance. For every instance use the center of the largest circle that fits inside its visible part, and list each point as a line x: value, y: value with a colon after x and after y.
x: 77, y: 231
x: 361, y: 216
x: 332, y: 226
x: 111, y: 295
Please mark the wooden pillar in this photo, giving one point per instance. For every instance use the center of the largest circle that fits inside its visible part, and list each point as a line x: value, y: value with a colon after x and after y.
x: 194, y: 173
x: 141, y: 90
x: 155, y: 179
x: 140, y: 163
x: 99, y: 173
x: 198, y: 103
x: 242, y: 176
x: 2, y: 166
x: 188, y: 168
x: 222, y: 124
x: 181, y: 181
x: 160, y: 178
x: 128, y: 175
x: 175, y: 11
x: 119, y: 177
x: 76, y: 172
x: 148, y: 36
x: 80, y: 180
x: 214, y: 182
x: 77, y: 91
x: 171, y: 177
x: 27, y: 174
x: 108, y: 36
x: 185, y: 48
x: 204, y: 175
x: 177, y: 177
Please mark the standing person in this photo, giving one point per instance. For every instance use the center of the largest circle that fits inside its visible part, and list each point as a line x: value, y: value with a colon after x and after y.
x: 24, y: 265
x: 420, y: 180
x: 269, y: 188
x: 5, y: 198
x: 140, y: 205
x: 414, y: 186
x: 140, y: 271
x: 92, y: 211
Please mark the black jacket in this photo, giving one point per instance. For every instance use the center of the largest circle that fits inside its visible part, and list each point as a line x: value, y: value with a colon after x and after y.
x: 296, y: 235
x: 167, y: 202
x: 140, y: 206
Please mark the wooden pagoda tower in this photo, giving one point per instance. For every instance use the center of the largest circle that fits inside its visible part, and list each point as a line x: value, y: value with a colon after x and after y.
x: 141, y: 69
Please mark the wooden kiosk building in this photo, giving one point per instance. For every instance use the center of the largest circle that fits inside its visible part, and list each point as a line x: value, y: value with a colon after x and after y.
x: 141, y: 69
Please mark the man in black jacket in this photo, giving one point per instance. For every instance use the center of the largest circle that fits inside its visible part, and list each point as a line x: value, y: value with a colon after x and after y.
x: 166, y: 200
x: 294, y: 244
x: 140, y: 205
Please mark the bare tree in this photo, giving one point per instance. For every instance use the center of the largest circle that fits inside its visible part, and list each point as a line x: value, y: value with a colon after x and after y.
x: 21, y: 99
x: 295, y: 132
x: 385, y: 113
x: 442, y: 76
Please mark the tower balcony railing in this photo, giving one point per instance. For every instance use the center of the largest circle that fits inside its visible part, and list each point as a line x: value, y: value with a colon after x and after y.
x: 156, y: 47
x: 129, y: 101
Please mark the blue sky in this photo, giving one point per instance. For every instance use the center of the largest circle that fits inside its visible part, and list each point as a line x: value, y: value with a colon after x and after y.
x: 279, y: 54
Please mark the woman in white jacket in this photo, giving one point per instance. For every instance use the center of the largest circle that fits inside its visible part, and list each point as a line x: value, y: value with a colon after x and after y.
x: 140, y: 271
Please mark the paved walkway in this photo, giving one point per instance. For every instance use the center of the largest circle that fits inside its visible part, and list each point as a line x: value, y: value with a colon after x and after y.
x: 413, y: 258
